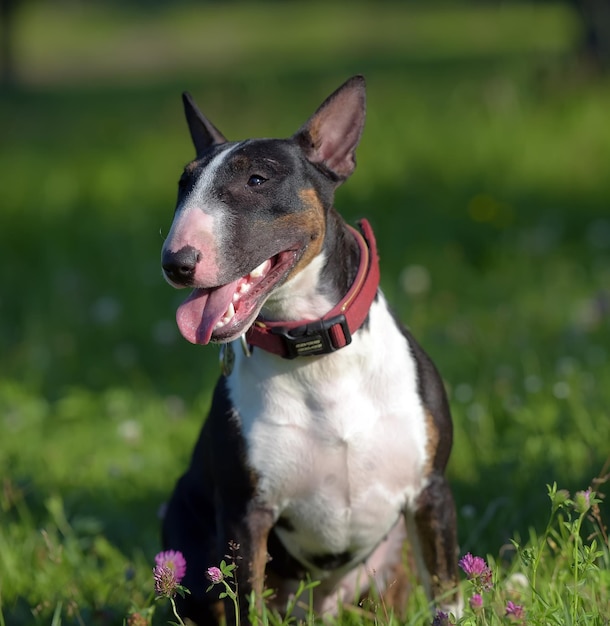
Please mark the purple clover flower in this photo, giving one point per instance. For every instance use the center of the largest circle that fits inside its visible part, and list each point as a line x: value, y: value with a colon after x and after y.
x: 165, y: 581
x: 168, y: 572
x: 477, y: 571
x: 175, y: 561
x: 440, y: 619
x: 515, y: 611
x: 473, y: 566
x: 214, y: 575
x: 476, y: 602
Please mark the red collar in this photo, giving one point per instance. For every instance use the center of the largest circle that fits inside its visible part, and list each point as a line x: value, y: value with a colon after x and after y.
x: 335, y: 329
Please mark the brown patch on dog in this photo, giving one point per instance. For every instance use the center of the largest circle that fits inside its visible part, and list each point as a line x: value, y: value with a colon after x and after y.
x: 434, y: 539
x: 260, y: 522
x: 191, y: 167
x: 433, y: 439
x: 310, y: 220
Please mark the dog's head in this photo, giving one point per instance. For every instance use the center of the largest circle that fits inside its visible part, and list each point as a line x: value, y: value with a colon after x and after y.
x: 251, y: 215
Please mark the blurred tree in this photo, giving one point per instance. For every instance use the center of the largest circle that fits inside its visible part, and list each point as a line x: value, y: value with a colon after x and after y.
x: 7, y: 18
x: 595, y: 17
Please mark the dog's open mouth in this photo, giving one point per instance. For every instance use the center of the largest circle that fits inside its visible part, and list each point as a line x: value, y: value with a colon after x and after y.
x: 225, y: 312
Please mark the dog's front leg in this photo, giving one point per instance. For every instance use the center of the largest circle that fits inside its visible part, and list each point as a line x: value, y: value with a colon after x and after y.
x: 432, y: 530
x: 251, y: 536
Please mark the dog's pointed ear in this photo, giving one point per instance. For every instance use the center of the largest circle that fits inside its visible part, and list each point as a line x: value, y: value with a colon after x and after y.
x: 331, y: 135
x: 203, y: 133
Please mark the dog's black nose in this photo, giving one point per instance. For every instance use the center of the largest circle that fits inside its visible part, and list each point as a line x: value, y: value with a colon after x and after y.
x: 180, y: 266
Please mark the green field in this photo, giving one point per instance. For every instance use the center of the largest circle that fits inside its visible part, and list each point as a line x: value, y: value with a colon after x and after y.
x: 485, y: 172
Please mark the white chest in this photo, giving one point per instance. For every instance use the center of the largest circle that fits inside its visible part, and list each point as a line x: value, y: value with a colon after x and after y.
x: 338, y: 442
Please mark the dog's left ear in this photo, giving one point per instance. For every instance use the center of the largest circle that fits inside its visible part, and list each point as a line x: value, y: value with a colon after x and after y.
x: 331, y: 135
x: 203, y: 133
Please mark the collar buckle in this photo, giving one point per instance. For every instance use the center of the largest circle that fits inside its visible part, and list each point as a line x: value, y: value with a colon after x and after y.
x: 316, y: 338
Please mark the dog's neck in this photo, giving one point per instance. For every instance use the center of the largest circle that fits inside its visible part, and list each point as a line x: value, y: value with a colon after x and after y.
x: 323, y: 283
x: 332, y: 330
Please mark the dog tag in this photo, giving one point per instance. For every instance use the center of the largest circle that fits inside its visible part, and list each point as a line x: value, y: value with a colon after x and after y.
x: 227, y: 358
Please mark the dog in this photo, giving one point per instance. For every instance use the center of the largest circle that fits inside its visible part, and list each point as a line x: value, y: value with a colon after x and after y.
x: 329, y: 430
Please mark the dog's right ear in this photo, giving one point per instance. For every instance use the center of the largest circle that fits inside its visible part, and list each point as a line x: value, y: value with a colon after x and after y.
x: 331, y: 135
x: 203, y: 133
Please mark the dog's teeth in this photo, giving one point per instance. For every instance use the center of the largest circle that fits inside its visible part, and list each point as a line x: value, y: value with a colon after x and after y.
x: 227, y: 317
x: 257, y: 272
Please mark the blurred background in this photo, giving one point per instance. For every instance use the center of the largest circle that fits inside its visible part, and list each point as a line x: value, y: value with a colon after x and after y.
x: 484, y: 170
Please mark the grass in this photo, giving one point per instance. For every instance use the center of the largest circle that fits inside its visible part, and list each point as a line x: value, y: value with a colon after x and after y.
x: 483, y: 170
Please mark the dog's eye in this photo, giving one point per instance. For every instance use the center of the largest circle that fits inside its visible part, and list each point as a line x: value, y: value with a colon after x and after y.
x: 256, y: 180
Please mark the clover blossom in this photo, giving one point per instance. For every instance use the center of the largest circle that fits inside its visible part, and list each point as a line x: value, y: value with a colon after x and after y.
x: 477, y: 571
x: 174, y: 560
x: 165, y: 581
x: 440, y: 619
x: 215, y: 575
x: 168, y: 572
x: 515, y: 611
x: 476, y: 602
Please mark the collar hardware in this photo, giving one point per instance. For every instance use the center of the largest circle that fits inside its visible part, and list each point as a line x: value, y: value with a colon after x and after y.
x: 319, y: 337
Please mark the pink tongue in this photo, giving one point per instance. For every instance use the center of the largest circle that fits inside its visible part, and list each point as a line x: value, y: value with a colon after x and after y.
x: 202, y: 310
